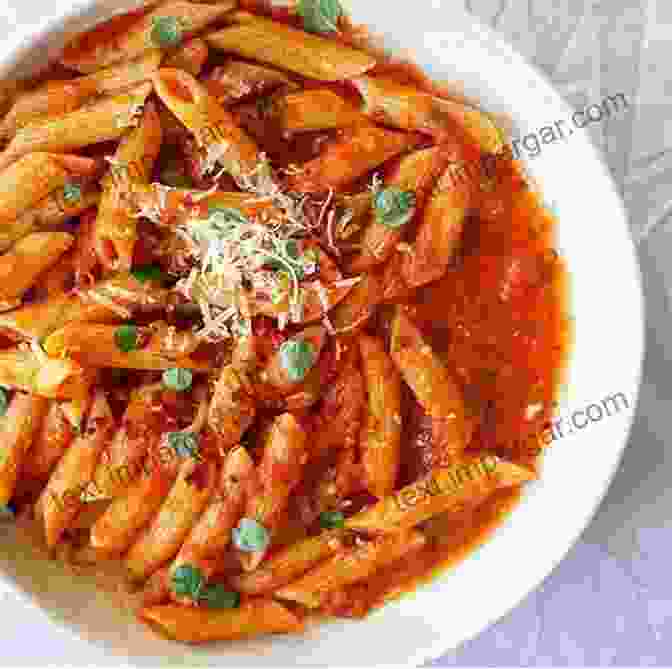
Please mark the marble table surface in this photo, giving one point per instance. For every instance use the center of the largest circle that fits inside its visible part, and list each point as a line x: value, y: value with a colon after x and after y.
x: 609, y: 603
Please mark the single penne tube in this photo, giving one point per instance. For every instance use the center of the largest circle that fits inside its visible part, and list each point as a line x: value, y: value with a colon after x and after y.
x: 339, y: 420
x: 285, y: 455
x: 62, y: 498
x: 104, y: 120
x: 360, y: 149
x: 51, y: 441
x: 24, y: 369
x: 95, y: 50
x: 128, y: 513
x: 109, y: 301
x: 25, y: 183
x: 23, y: 264
x: 355, y: 310
x: 97, y: 345
x: 211, y: 534
x: 465, y: 483
x: 225, y: 143
x: 115, y: 231
x: 237, y: 80
x: 439, y: 233
x: 292, y: 50
x: 402, y: 106
x: 162, y: 539
x: 350, y: 566
x: 51, y: 211
x: 289, y: 563
x: 433, y: 386
x: 189, y: 57
x: 380, y: 441
x: 18, y: 428
x: 313, y: 110
x: 255, y: 617
x: 139, y: 434
x: 415, y: 174
x: 56, y: 98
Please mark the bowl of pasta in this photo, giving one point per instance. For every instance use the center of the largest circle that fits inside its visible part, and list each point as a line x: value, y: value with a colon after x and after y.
x: 289, y: 332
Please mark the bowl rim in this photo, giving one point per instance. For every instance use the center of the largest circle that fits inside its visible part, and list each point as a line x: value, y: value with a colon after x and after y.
x: 21, y: 43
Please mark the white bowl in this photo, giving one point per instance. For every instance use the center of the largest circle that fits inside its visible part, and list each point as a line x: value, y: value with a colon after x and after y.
x: 606, y: 303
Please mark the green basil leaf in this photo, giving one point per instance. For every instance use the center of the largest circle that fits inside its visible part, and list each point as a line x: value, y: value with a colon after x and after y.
x: 320, y: 16
x: 188, y: 581
x: 166, y: 31
x: 72, y: 193
x: 297, y: 357
x: 185, y: 444
x: 216, y: 596
x: 250, y: 536
x: 331, y: 520
x: 145, y: 273
x: 178, y: 379
x: 126, y: 338
x: 4, y: 401
x: 394, y: 207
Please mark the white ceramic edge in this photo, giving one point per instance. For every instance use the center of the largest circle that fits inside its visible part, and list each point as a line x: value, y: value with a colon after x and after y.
x: 23, y: 42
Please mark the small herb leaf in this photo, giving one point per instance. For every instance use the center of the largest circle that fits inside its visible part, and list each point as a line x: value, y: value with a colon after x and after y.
x: 166, y: 31
x: 297, y: 357
x: 216, y: 596
x: 394, y: 207
x: 188, y: 581
x: 4, y: 401
x: 178, y: 379
x: 145, y: 273
x: 320, y: 16
x: 250, y: 536
x: 185, y: 444
x: 331, y: 520
x: 126, y: 338
x: 72, y: 193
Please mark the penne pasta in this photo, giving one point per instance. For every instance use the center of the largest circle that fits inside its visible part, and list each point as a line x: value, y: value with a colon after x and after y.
x: 162, y: 539
x: 110, y: 301
x: 18, y: 428
x: 380, y: 441
x: 26, y: 370
x: 96, y: 49
x: 57, y: 98
x: 115, y: 230
x: 51, y: 440
x: 433, y: 387
x: 23, y: 264
x: 416, y: 173
x: 51, y: 211
x: 289, y: 563
x: 312, y: 110
x: 190, y: 57
x: 290, y: 49
x: 225, y: 143
x: 254, y: 617
x: 237, y: 80
x: 360, y: 149
x: 62, y: 498
x: 465, y: 483
x: 97, y: 345
x: 350, y: 566
x: 102, y: 121
x: 356, y: 309
x: 409, y: 108
x: 281, y: 468
x: 33, y: 177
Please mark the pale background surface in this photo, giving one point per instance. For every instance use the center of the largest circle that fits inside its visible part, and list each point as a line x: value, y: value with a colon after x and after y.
x: 610, y: 602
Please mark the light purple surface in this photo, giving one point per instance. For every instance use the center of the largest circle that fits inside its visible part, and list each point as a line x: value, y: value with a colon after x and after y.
x: 610, y: 602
